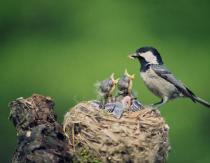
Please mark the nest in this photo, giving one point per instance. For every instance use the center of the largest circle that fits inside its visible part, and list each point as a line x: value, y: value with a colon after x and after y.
x: 96, y: 136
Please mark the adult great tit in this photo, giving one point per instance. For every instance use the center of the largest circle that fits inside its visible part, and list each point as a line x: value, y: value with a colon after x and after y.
x: 160, y: 80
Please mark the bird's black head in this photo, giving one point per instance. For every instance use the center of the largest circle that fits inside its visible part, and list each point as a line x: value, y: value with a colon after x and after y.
x: 147, y: 56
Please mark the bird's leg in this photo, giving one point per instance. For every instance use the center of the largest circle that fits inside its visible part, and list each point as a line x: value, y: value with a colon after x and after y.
x: 158, y: 103
x: 162, y: 102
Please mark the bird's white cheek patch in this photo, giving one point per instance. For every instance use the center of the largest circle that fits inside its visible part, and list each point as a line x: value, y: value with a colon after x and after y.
x: 149, y: 57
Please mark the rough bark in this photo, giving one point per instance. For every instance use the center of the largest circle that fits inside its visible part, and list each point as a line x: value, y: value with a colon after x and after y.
x: 40, y: 136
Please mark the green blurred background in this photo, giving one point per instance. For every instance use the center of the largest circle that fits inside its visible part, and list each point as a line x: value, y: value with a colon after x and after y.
x: 61, y: 48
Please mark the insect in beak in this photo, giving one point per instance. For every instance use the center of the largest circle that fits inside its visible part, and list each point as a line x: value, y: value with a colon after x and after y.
x: 133, y: 56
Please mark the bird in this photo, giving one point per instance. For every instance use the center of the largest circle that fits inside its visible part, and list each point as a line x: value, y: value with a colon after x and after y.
x: 125, y: 84
x: 118, y: 107
x: 106, y: 87
x: 159, y: 80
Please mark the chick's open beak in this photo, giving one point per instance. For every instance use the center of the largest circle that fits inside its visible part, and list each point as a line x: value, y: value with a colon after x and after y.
x: 133, y: 56
x: 132, y: 76
x: 127, y: 74
x: 115, y: 81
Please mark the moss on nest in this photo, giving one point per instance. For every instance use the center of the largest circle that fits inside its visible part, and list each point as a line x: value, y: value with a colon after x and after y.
x: 96, y: 136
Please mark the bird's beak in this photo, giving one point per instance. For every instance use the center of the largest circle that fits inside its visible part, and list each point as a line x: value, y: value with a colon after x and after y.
x: 132, y: 76
x: 127, y: 74
x: 133, y: 56
x: 115, y: 81
x: 112, y: 76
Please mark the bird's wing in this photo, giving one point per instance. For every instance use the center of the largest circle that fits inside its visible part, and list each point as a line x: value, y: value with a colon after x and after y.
x: 164, y: 73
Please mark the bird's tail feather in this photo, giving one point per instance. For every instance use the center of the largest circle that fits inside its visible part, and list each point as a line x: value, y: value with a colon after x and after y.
x: 201, y: 101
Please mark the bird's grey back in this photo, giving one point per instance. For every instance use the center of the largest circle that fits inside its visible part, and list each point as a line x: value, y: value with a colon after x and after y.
x: 163, y: 72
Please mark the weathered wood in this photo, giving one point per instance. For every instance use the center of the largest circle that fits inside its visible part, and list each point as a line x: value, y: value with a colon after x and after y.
x: 40, y: 136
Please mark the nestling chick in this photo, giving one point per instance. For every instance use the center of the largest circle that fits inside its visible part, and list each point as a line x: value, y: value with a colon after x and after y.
x: 125, y: 85
x: 105, y: 89
x: 117, y: 108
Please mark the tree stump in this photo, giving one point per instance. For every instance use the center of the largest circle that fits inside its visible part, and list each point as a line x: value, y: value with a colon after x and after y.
x: 40, y: 136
